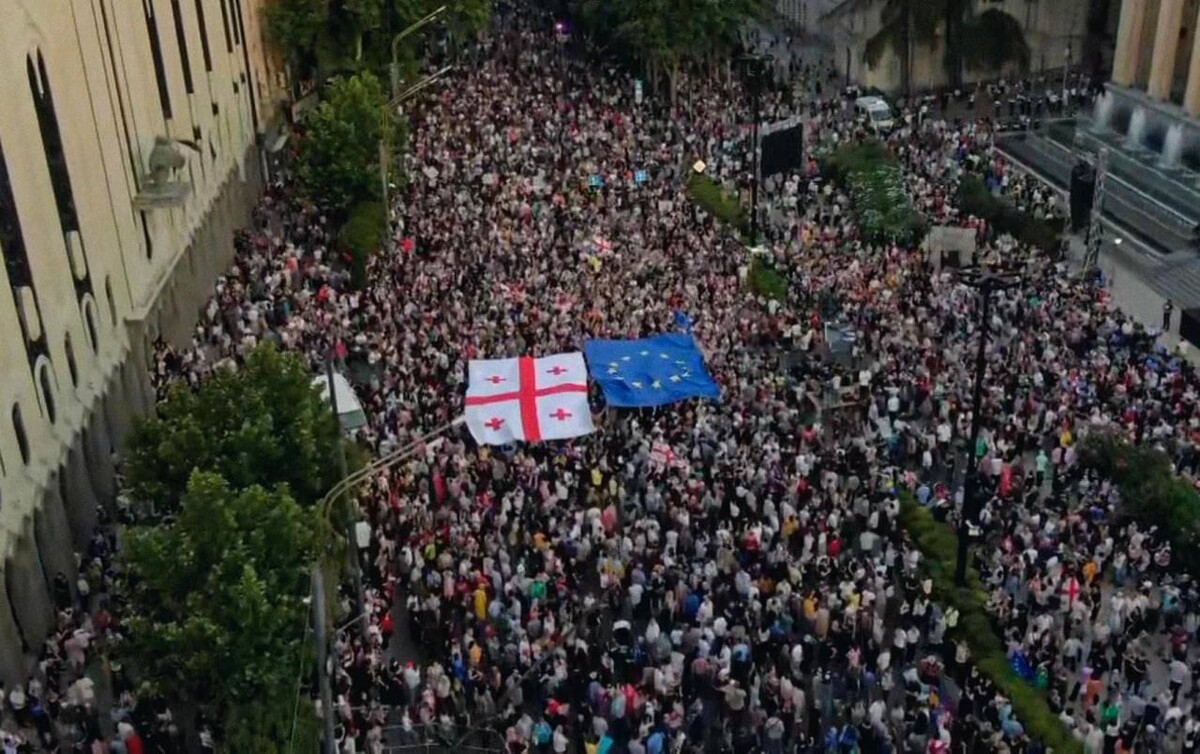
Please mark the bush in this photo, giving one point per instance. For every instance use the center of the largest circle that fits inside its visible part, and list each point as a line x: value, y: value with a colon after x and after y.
x: 361, y: 236
x: 714, y: 200
x: 1151, y: 493
x: 765, y: 281
x: 854, y: 157
x: 938, y: 545
x: 876, y: 183
x: 974, y: 198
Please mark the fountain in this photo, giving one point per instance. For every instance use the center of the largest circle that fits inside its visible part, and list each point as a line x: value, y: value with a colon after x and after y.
x: 1172, y: 147
x: 1102, y: 115
x: 1137, y: 127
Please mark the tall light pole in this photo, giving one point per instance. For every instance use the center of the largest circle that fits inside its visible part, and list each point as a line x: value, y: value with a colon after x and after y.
x: 343, y: 472
x: 394, y: 68
x: 344, y: 487
x: 986, y: 282
x: 390, y: 110
x: 754, y: 68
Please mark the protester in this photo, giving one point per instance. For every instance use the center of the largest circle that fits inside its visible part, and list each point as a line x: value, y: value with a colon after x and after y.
x: 725, y: 575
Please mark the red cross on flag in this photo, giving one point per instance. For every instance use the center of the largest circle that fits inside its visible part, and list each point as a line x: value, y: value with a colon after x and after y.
x: 528, y: 399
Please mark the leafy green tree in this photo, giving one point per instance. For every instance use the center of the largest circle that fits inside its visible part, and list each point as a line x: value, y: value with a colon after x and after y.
x: 365, y: 17
x: 340, y: 154
x: 294, y: 27
x: 995, y: 38
x: 665, y: 37
x: 217, y: 613
x: 263, y: 424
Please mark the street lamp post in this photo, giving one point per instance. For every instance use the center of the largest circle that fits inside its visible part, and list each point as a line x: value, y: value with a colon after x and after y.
x: 344, y: 487
x: 754, y: 66
x: 343, y: 472
x: 385, y: 150
x: 986, y: 282
x: 394, y: 68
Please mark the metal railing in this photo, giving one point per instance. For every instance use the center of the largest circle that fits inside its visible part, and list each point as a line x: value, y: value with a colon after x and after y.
x: 436, y: 738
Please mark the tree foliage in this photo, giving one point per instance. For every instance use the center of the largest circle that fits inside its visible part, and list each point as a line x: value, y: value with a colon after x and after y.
x: 1152, y: 494
x: 262, y: 424
x: 993, y: 39
x: 217, y: 614
x: 294, y: 27
x: 339, y: 156
x: 664, y: 36
x: 361, y: 236
x: 874, y: 178
x: 905, y: 24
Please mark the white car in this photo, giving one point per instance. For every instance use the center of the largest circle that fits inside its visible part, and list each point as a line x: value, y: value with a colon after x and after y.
x: 876, y: 111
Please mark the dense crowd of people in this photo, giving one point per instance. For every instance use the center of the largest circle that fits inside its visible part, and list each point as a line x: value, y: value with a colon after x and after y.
x: 708, y: 576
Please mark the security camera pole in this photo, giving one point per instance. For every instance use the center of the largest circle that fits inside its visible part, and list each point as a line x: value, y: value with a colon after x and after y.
x: 986, y: 282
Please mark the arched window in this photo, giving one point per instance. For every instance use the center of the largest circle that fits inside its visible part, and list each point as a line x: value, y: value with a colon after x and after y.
x: 46, y: 387
x: 19, y: 429
x: 72, y: 367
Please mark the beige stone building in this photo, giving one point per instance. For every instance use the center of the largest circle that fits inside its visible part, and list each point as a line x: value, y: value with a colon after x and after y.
x: 111, y: 235
x: 1158, y: 51
x: 1051, y: 29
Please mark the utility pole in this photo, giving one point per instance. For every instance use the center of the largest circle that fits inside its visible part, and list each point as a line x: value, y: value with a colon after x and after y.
x: 329, y: 745
x: 986, y: 282
x: 343, y: 472
x: 394, y: 69
x: 754, y: 66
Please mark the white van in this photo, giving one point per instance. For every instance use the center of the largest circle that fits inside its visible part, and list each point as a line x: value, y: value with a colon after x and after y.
x: 350, y: 411
x: 876, y: 112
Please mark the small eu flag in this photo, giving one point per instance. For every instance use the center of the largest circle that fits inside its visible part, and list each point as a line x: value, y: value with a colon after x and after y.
x: 596, y: 181
x: 650, y: 371
x: 639, y: 176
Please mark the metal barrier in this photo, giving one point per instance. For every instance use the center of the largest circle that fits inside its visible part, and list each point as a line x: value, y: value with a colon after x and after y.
x: 441, y: 739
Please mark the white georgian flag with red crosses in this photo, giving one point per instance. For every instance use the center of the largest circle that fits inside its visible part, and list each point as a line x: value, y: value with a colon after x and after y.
x: 528, y: 399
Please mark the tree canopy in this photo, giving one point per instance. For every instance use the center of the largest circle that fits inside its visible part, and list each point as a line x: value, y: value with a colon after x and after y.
x: 664, y: 36
x: 340, y: 154
x: 217, y: 613
x: 262, y: 424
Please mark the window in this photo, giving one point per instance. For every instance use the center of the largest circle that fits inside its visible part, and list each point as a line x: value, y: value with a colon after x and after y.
x: 12, y: 240
x: 181, y: 40
x: 146, y: 236
x: 204, y: 48
x: 236, y: 21
x: 52, y: 144
x: 72, y: 367
x: 112, y: 301
x: 19, y: 430
x: 225, y: 23
x: 156, y: 54
x: 89, y: 320
x: 46, y: 386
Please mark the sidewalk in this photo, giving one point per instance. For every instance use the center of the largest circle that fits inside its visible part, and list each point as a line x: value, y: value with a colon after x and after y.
x: 1129, y: 289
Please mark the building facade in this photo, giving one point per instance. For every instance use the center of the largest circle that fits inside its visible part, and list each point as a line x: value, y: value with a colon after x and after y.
x: 129, y: 154
x: 1054, y: 30
x: 1158, y: 51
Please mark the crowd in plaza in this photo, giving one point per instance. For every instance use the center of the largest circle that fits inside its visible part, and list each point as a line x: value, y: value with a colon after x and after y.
x: 712, y: 576
x: 715, y: 574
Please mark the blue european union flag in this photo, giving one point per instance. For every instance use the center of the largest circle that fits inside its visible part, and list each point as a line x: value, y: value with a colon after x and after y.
x: 651, y: 371
x: 640, y: 176
x: 596, y: 180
